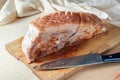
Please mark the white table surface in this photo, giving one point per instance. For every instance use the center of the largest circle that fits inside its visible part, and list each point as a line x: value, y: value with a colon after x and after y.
x: 12, y: 69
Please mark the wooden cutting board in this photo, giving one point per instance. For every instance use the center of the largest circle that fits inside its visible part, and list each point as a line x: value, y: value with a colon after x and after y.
x: 99, y: 43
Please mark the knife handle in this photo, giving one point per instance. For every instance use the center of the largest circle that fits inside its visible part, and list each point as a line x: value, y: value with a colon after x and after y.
x: 111, y: 57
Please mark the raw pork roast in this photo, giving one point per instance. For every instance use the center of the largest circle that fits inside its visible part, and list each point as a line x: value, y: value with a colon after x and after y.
x: 52, y: 32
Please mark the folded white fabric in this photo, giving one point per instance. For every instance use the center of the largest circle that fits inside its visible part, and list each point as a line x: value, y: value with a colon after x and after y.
x: 20, y: 8
x: 7, y: 12
x: 24, y: 9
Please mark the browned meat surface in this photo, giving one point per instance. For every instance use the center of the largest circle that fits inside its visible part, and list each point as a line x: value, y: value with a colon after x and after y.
x: 52, y: 32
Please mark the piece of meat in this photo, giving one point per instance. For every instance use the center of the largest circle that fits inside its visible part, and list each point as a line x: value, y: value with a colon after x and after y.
x: 52, y: 32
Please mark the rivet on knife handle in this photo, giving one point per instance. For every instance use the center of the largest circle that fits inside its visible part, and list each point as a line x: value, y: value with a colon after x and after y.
x: 112, y: 57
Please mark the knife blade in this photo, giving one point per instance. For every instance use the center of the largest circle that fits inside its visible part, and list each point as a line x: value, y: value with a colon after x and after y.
x: 88, y: 59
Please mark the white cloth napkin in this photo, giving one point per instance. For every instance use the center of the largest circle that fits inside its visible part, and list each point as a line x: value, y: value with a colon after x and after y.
x: 104, y: 9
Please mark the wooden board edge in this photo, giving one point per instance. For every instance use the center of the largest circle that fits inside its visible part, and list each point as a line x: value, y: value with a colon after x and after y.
x: 70, y: 73
x: 9, y: 51
x: 110, y: 48
x: 6, y: 47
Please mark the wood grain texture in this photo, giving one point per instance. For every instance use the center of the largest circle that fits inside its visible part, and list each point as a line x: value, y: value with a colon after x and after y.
x: 99, y: 43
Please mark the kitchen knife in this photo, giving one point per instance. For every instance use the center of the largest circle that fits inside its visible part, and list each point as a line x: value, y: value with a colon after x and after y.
x: 88, y: 59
